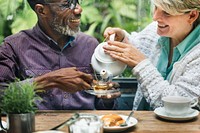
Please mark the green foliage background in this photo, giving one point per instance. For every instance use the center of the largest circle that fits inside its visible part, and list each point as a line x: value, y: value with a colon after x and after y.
x: 131, y: 15
x: 16, y: 15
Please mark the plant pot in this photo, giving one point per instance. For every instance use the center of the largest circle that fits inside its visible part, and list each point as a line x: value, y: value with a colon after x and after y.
x: 20, y: 123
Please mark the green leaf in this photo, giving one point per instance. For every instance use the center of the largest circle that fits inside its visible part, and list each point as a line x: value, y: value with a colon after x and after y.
x: 8, y: 7
x: 90, y: 15
x: 91, y: 29
x: 21, y: 22
x: 105, y: 22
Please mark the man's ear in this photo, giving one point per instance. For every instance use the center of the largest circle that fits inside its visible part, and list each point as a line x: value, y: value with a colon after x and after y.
x: 40, y: 10
x: 193, y: 16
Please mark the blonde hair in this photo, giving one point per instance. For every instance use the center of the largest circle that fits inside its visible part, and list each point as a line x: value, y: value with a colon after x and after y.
x: 178, y: 7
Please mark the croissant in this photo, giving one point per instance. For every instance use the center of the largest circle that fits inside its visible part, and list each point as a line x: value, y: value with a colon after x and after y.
x: 112, y: 120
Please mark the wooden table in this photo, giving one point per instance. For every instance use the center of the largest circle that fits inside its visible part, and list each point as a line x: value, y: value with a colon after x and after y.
x: 147, y: 121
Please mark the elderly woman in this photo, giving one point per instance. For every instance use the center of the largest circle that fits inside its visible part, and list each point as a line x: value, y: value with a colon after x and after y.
x: 165, y: 65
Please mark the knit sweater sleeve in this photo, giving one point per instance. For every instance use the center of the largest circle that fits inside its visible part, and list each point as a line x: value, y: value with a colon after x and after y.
x: 145, y: 40
x: 184, y: 80
x: 185, y: 76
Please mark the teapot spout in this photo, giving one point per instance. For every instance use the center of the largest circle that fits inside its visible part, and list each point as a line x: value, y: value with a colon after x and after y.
x: 105, y: 74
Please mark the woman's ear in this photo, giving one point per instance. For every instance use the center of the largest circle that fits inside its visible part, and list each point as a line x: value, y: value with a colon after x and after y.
x: 193, y: 16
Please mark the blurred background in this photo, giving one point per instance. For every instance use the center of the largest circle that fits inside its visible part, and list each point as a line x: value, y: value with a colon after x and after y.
x: 132, y: 15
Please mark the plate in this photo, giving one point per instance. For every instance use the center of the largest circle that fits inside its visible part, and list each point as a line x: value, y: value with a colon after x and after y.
x: 103, y: 92
x: 132, y: 122
x: 162, y: 114
x: 4, y: 125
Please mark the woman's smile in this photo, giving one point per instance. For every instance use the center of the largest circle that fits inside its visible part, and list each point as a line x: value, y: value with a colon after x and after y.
x: 162, y: 29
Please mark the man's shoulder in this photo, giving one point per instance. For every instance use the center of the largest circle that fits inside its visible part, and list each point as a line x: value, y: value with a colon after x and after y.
x: 84, y: 37
x: 18, y: 36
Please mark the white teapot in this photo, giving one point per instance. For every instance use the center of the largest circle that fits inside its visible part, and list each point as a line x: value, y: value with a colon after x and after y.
x: 104, y: 64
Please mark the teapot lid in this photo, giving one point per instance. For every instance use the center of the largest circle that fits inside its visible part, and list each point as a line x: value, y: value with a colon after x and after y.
x: 101, y: 56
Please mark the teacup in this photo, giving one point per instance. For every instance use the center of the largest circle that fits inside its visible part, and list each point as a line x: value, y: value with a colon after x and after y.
x: 100, y: 84
x: 178, y: 105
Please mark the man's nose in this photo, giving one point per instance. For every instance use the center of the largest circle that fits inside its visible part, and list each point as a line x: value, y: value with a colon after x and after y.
x: 77, y: 9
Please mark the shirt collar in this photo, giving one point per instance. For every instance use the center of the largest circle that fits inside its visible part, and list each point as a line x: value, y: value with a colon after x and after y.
x: 190, y: 41
x: 50, y: 39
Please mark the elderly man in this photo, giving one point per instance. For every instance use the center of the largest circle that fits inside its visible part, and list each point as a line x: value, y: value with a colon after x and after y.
x: 55, y: 55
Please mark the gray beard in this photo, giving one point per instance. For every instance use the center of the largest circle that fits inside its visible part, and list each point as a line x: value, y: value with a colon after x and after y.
x: 65, y: 30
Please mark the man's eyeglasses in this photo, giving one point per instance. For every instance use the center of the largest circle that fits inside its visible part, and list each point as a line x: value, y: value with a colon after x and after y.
x: 70, y: 4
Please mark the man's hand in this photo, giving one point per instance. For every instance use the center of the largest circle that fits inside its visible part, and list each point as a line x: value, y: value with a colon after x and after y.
x: 67, y: 79
x: 111, y: 96
x: 109, y: 99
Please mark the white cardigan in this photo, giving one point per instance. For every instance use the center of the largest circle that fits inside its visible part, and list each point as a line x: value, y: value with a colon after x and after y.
x: 185, y: 77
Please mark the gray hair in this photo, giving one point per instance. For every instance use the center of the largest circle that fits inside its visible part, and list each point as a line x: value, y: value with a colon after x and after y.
x: 178, y: 7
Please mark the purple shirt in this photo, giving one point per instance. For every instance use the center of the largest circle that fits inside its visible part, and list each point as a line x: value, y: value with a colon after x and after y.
x: 31, y: 53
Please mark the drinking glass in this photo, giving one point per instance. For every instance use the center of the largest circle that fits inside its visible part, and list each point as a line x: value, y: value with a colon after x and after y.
x: 86, y: 123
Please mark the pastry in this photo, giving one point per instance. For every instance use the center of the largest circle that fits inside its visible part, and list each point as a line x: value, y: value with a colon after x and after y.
x: 112, y: 120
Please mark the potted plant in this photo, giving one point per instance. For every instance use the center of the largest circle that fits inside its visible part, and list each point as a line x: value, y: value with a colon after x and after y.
x: 18, y: 102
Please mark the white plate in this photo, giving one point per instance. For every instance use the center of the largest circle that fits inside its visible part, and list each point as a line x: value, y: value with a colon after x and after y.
x: 132, y: 122
x: 4, y: 125
x: 103, y: 92
x: 162, y: 114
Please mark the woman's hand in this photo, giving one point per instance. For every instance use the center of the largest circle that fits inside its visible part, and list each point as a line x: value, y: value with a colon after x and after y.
x: 124, y: 52
x: 119, y: 33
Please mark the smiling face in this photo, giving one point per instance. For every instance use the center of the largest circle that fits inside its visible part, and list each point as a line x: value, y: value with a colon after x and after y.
x: 64, y: 20
x: 174, y: 26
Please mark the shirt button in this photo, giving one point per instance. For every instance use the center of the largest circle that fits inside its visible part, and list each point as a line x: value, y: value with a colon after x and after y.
x: 65, y: 96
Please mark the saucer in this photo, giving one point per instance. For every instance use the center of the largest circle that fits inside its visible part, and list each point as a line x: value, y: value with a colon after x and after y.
x: 132, y: 122
x: 162, y: 114
x: 103, y: 92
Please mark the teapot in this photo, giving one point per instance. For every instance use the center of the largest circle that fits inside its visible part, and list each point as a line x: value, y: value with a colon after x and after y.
x: 104, y: 64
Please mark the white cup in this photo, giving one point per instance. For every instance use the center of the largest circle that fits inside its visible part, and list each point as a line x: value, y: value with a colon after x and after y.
x: 178, y: 105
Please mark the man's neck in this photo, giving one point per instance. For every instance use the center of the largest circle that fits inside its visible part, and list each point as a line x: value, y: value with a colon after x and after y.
x: 58, y: 38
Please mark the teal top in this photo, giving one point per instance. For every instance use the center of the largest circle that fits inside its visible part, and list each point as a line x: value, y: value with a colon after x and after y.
x: 178, y: 52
